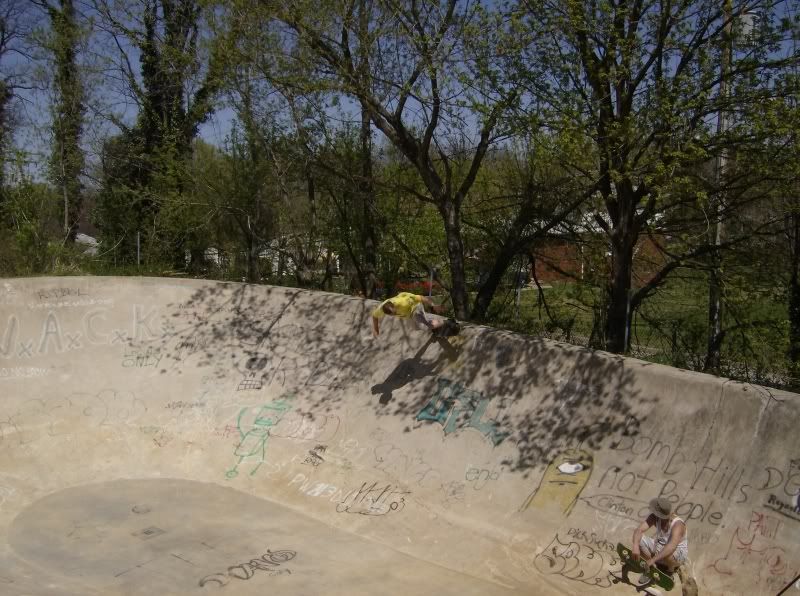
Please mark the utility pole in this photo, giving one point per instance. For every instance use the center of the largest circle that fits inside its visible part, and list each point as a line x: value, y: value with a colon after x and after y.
x: 793, y: 225
x: 712, y: 362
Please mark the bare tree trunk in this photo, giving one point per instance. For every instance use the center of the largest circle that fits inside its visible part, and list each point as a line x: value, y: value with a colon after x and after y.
x: 367, y: 191
x: 712, y: 361
x: 253, y: 273
x: 67, y: 160
x: 455, y: 253
x: 794, y: 299
x: 5, y: 100
x: 618, y: 309
x: 488, y: 288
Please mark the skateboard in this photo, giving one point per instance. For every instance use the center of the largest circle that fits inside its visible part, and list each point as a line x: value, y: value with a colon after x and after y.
x: 658, y: 577
x: 449, y: 329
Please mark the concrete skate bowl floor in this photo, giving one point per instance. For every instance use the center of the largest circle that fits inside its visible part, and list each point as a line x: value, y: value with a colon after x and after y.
x: 169, y: 536
x: 189, y: 437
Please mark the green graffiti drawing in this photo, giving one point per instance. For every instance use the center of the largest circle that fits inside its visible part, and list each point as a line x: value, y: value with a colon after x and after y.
x: 254, y: 432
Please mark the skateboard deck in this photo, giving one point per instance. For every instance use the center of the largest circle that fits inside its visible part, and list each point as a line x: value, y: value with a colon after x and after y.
x: 449, y: 329
x: 656, y: 575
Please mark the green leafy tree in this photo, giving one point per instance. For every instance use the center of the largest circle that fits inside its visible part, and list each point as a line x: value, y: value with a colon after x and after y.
x: 32, y: 242
x: 67, y: 160
x: 643, y: 77
x: 413, y: 71
x: 175, y: 88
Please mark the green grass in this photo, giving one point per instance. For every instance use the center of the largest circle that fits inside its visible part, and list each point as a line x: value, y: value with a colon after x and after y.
x: 669, y: 327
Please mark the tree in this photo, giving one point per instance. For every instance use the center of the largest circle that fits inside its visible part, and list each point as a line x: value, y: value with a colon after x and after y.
x: 175, y: 89
x: 642, y: 76
x: 414, y: 72
x: 533, y: 195
x: 15, y: 25
x: 67, y: 161
x: 252, y: 207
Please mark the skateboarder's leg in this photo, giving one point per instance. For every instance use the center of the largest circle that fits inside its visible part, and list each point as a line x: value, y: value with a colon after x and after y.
x: 675, y: 560
x: 422, y: 321
x: 647, y: 547
x: 669, y: 564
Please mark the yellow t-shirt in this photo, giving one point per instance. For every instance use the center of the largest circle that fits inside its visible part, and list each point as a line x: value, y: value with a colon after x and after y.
x: 404, y: 304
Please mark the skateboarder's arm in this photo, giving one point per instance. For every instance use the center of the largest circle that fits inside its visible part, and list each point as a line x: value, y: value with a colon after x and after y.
x: 678, y: 532
x: 431, y: 304
x: 637, y: 535
x: 376, y: 326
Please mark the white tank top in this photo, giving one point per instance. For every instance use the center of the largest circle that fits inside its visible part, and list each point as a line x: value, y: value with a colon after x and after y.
x: 662, y: 537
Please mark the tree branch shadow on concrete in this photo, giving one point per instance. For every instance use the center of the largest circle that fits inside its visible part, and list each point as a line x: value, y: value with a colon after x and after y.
x: 321, y: 344
x: 413, y: 369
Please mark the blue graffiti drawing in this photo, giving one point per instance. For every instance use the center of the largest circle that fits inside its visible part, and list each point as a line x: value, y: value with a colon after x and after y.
x: 454, y: 407
x: 254, y: 434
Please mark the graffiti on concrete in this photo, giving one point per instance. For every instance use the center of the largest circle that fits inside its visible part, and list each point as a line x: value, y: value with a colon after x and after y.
x: 252, y: 378
x: 269, y: 562
x: 54, y: 336
x: 254, y: 426
x: 374, y: 499
x: 60, y: 293
x: 792, y: 511
x: 701, y: 486
x: 592, y: 539
x: 478, y: 477
x: 159, y: 436
x: 313, y: 488
x: 456, y: 407
x: 615, y: 505
x: 23, y: 372
x: 141, y: 358
x: 55, y: 415
x: 286, y: 368
x: 315, y: 456
x: 752, y: 554
x: 398, y: 464
x: 562, y: 481
x: 454, y: 493
x: 577, y: 561
x: 307, y: 426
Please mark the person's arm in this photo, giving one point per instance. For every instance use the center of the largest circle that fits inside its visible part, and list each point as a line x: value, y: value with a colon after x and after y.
x: 637, y: 535
x: 678, y: 532
x: 431, y: 304
x: 376, y: 326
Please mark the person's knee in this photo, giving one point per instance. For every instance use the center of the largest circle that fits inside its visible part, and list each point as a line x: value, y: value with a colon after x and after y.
x: 644, y: 547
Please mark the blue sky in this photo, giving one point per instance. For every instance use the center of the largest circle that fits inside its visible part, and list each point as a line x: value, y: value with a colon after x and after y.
x: 107, y: 93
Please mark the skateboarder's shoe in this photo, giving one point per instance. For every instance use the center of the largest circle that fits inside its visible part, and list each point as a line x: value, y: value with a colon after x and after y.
x: 449, y: 328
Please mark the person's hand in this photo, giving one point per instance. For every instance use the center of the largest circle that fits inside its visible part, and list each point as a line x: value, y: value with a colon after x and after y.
x: 635, y: 554
x: 650, y: 562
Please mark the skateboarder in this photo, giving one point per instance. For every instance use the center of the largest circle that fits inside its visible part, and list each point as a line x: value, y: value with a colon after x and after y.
x: 409, y: 306
x: 670, y: 546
